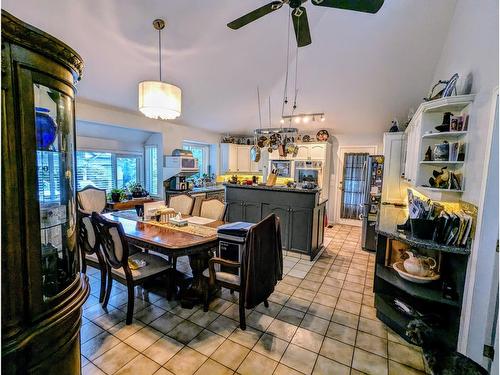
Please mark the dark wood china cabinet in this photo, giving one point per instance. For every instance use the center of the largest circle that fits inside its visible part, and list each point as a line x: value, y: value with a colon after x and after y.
x: 42, y: 288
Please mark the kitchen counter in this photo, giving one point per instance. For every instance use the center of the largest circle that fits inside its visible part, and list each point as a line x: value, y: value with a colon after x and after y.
x: 390, y: 216
x: 275, y: 188
x: 301, y: 213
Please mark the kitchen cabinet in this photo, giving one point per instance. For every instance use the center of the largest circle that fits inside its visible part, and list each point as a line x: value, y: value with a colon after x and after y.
x: 283, y: 212
x: 412, y: 150
x: 236, y: 158
x: 300, y: 222
x: 303, y: 152
x: 317, y: 151
x: 42, y: 288
x: 306, y: 151
x: 392, y: 191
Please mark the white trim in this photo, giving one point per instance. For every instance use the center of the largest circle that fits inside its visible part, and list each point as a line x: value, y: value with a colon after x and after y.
x: 372, y: 150
x: 480, y: 245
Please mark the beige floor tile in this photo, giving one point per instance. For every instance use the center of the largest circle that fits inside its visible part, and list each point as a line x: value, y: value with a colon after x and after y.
x: 325, y: 299
x: 304, y: 294
x: 337, y: 351
x: 203, y: 318
x: 345, y: 318
x: 286, y: 288
x: 123, y: 331
x: 282, y: 330
x: 233, y: 312
x: 342, y: 333
x: 230, y: 354
x: 330, y: 290
x: 89, y: 331
x: 271, y: 346
x: 272, y: 310
x: 309, y: 285
x: 351, y: 296
x: 143, y: 338
x: 91, y: 369
x: 308, y: 340
x: 369, y: 363
x: 163, y: 349
x: 294, y: 281
x: 290, y: 315
x: 219, y: 305
x: 298, y: 358
x: 298, y: 303
x: 372, y: 344
x: 315, y: 324
x: 185, y: 362
x: 139, y: 365
x: 98, y: 345
x: 325, y: 366
x: 348, y: 306
x: 322, y: 311
x: 223, y: 326
x: 354, y: 287
x: 396, y: 368
x: 259, y: 321
x: 108, y: 320
x: 184, y: 313
x: 256, y: 363
x: 278, y: 297
x: 368, y: 312
x: 206, y: 342
x: 115, y: 358
x: 281, y: 369
x: 406, y: 355
x: 247, y: 337
x: 185, y: 331
x: 213, y: 368
x: 166, y: 322
x: 149, y: 314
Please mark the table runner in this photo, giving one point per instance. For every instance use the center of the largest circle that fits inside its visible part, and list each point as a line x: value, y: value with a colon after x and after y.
x: 197, y: 230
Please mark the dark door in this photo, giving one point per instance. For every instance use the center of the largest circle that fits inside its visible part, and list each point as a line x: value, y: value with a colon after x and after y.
x: 283, y: 212
x: 353, y: 185
x: 234, y: 211
x: 300, y: 229
x: 252, y: 212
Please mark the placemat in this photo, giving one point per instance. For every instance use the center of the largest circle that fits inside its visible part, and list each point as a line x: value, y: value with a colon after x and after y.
x: 197, y: 230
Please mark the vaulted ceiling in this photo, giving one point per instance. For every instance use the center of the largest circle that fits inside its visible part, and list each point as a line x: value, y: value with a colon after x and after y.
x: 362, y: 70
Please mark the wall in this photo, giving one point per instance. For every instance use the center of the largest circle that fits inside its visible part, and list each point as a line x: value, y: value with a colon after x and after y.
x: 471, y: 50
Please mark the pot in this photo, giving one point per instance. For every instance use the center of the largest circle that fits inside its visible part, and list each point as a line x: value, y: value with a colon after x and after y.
x: 255, y: 154
x: 419, y: 265
x: 115, y: 197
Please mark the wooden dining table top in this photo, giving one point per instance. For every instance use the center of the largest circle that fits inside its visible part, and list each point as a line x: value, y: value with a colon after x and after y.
x: 162, y: 237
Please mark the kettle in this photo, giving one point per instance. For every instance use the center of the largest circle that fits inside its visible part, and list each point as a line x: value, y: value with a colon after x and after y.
x: 419, y: 265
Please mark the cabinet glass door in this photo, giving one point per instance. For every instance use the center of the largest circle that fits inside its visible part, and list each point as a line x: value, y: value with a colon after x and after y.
x: 54, y: 155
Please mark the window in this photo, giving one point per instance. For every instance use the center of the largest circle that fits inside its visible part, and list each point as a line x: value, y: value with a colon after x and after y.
x: 151, y: 156
x: 106, y: 170
x: 48, y: 179
x: 202, y: 153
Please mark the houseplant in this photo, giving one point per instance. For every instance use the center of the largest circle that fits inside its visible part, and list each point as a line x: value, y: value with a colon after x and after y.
x: 117, y: 195
x: 137, y: 190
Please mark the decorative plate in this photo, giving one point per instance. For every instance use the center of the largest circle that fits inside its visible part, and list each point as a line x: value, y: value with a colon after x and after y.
x: 306, y: 138
x: 399, y: 268
x: 322, y: 136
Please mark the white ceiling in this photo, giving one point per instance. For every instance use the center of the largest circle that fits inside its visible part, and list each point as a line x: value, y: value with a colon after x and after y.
x: 361, y: 70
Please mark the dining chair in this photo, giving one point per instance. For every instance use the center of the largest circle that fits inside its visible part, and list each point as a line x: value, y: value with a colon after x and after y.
x: 89, y: 249
x: 91, y: 199
x: 257, y: 272
x: 213, y: 209
x: 182, y: 203
x: 115, y: 248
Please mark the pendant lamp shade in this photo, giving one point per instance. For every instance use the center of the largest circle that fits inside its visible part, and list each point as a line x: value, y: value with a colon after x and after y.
x: 159, y: 100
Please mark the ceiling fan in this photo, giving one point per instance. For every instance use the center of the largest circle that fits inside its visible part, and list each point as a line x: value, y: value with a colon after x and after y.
x: 299, y: 14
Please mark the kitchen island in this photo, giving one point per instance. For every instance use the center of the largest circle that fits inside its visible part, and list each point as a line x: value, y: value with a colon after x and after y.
x: 301, y: 213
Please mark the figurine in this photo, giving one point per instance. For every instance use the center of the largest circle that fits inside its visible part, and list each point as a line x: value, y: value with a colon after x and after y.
x: 428, y: 154
x: 440, y: 179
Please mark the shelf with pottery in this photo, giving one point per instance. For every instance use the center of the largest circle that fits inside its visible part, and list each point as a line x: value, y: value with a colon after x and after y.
x: 422, y: 135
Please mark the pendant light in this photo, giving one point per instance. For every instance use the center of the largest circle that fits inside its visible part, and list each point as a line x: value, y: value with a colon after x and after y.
x: 158, y: 99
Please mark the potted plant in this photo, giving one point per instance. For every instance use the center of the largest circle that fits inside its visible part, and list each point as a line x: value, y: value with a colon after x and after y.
x: 137, y: 190
x: 117, y: 195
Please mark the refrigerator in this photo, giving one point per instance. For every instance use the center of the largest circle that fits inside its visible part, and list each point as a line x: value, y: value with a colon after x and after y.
x: 372, y: 196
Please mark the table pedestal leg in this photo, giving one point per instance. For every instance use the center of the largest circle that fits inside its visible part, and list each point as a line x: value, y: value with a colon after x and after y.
x: 194, y: 295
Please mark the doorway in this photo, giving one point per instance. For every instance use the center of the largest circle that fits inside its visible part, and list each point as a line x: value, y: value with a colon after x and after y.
x: 350, y: 183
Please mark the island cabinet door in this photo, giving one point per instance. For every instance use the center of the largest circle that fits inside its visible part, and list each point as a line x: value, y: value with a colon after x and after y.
x: 252, y: 212
x: 283, y: 212
x: 300, y: 229
x: 234, y: 211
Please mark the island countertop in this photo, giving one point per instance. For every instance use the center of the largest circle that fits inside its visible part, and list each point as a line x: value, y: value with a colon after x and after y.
x: 276, y: 188
x: 390, y: 216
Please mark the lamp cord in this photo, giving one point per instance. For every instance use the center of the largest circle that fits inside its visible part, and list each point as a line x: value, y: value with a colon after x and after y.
x: 296, y: 70
x: 285, y: 98
x: 159, y: 49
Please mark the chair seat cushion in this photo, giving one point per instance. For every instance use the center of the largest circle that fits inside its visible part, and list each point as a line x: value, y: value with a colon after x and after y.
x: 92, y: 257
x: 225, y: 277
x: 154, y: 265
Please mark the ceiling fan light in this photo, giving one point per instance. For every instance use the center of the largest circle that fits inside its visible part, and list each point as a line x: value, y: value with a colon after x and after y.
x: 305, y: 119
x: 282, y: 121
x: 322, y: 119
x: 297, y: 120
x: 159, y: 100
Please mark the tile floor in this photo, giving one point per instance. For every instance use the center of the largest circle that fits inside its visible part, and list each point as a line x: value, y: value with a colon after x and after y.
x: 320, y: 320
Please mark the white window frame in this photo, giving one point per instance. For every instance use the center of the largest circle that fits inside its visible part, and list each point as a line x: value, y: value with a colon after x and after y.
x: 147, y: 169
x: 206, y: 153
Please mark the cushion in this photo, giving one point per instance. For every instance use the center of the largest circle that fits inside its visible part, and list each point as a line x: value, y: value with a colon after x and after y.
x: 91, y: 200
x: 154, y: 265
x: 92, y: 257
x: 225, y: 277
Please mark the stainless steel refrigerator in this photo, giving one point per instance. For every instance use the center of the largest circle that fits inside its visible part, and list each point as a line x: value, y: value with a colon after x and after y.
x: 372, y: 195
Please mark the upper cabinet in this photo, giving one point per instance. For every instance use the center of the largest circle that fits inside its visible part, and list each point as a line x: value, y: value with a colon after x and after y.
x: 392, y: 191
x: 306, y: 151
x: 236, y: 158
x: 438, y: 155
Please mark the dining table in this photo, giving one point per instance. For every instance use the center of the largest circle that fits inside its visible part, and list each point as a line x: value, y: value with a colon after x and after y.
x: 174, y: 243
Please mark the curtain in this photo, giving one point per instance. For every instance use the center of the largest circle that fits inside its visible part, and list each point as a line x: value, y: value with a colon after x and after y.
x: 353, y: 184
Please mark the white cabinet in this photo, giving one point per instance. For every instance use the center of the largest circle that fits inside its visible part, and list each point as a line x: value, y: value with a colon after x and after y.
x: 303, y: 152
x: 236, y: 158
x: 317, y: 151
x: 392, y: 190
x: 413, y: 136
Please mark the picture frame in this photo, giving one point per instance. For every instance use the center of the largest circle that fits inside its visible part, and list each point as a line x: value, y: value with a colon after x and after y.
x: 456, y: 123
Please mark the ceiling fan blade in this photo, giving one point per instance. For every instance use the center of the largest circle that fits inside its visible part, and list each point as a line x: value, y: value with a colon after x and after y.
x: 366, y: 6
x: 255, y: 15
x: 301, y: 26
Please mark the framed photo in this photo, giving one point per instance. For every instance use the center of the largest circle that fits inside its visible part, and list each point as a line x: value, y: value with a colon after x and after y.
x: 456, y: 123
x: 466, y: 123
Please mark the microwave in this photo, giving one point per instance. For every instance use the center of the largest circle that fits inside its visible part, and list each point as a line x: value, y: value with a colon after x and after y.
x: 183, y: 163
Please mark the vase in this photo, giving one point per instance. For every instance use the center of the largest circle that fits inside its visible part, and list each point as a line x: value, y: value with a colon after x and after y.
x: 45, y: 128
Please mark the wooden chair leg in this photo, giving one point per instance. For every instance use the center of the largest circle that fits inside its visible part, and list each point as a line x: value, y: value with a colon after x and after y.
x: 108, y: 289
x: 84, y: 262
x: 130, y: 303
x: 243, y: 324
x: 266, y: 304
x: 103, y: 285
x: 231, y: 291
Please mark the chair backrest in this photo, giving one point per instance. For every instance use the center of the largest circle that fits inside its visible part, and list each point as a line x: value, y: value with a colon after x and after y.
x: 182, y: 203
x: 111, y: 239
x: 212, y: 209
x: 91, y: 199
x: 86, y: 233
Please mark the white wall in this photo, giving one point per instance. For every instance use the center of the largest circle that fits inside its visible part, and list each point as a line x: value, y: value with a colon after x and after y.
x: 471, y: 50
